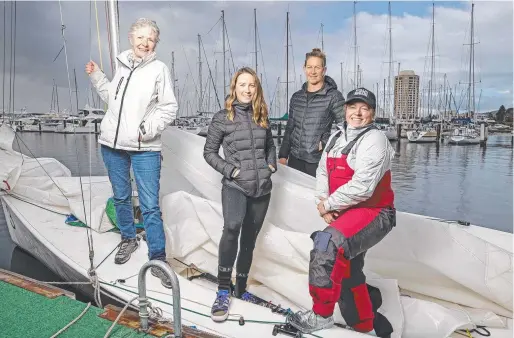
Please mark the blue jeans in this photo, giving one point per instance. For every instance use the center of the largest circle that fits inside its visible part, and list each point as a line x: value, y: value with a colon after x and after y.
x: 147, y: 171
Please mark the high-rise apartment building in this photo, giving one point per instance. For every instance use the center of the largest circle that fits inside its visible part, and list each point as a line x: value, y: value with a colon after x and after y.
x: 406, y: 95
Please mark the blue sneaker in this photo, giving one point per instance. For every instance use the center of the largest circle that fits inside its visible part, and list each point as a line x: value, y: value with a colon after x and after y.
x: 219, y: 311
x: 248, y: 297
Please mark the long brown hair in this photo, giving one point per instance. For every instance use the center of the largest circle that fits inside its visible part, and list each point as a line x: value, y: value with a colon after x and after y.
x: 260, y: 108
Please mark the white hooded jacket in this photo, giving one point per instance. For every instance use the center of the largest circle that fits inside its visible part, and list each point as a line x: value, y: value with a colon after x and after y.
x: 141, y: 103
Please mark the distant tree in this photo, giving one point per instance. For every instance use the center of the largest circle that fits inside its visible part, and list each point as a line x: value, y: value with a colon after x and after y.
x: 500, y: 115
x: 490, y: 115
x: 508, y: 115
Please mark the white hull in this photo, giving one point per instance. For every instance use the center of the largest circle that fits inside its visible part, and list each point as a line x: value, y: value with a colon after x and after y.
x: 421, y: 136
x: 78, y: 130
x: 464, y: 136
x: 464, y: 140
x: 426, y: 258
x: 30, y: 128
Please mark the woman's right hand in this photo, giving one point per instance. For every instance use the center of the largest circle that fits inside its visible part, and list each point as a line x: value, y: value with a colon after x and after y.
x: 91, y: 67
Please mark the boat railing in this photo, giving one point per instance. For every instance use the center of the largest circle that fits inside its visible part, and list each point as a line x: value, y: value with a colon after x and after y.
x: 175, y: 291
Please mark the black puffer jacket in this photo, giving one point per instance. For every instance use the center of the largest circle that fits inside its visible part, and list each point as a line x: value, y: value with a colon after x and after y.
x: 246, y: 146
x: 310, y: 121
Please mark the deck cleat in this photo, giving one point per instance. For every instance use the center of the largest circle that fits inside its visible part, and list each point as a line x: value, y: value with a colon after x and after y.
x: 287, y: 329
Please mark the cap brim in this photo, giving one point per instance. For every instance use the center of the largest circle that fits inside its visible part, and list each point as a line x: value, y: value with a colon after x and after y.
x: 359, y: 99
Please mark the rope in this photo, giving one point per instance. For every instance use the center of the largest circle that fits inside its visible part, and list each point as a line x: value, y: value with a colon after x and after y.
x: 119, y: 316
x: 193, y: 311
x: 72, y: 322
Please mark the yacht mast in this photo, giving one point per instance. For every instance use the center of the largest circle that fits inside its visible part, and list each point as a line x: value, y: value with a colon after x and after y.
x: 255, y: 37
x: 224, y: 57
x: 431, y: 83
x: 355, y: 71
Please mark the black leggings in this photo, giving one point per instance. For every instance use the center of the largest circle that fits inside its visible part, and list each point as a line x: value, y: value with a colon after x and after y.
x: 241, y: 214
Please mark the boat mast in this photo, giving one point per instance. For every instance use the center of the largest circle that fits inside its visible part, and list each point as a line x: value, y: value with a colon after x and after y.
x: 173, y: 76
x: 255, y: 36
x: 471, y: 67
x: 390, y: 67
x: 76, y: 89
x: 224, y: 50
x: 445, y: 97
x: 3, y: 73
x: 287, y: 62
x: 200, y: 74
x: 355, y: 72
x: 431, y: 63
x: 342, y: 91
x: 322, y: 44
x: 114, y: 30
x: 66, y: 58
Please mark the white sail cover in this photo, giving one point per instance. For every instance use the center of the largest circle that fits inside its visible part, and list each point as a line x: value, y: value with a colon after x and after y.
x: 48, y: 183
x: 435, y: 276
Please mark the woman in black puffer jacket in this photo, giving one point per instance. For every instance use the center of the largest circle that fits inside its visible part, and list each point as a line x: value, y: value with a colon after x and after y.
x: 243, y: 129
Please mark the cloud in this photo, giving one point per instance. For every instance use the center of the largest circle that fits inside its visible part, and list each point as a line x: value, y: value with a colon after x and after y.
x: 38, y: 40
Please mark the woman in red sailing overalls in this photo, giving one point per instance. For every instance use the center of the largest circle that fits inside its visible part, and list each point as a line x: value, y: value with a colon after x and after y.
x: 354, y: 196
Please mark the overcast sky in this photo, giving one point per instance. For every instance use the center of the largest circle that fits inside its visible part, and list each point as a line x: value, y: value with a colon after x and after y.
x: 39, y: 40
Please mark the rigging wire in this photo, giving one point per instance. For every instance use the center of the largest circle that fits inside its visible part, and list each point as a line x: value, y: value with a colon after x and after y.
x: 210, y: 73
x: 213, y: 26
x: 189, y: 67
x: 230, y: 49
x: 263, y: 66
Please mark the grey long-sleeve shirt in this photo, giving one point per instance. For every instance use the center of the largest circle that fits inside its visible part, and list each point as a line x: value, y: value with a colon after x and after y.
x: 370, y: 158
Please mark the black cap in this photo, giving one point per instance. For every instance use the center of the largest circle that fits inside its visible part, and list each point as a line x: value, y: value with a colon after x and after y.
x: 362, y: 95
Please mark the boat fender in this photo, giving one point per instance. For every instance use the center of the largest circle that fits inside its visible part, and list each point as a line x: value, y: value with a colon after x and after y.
x: 241, y: 320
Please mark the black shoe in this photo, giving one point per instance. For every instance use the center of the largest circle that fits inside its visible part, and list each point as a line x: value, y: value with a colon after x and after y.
x: 157, y: 272
x: 383, y: 327
x: 126, y: 248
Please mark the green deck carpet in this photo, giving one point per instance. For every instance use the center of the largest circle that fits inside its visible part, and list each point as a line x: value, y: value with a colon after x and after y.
x: 26, y: 314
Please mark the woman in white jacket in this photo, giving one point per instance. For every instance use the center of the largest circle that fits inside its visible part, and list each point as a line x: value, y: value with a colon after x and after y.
x: 141, y: 104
